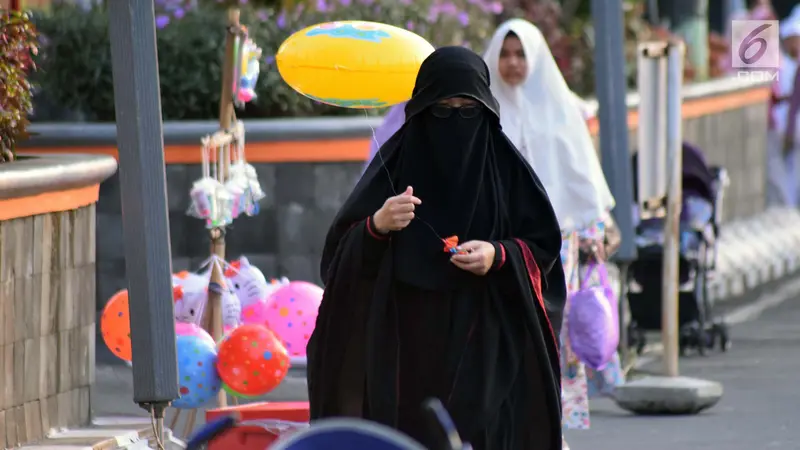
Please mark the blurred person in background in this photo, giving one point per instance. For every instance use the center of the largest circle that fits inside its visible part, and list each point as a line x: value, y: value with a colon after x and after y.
x: 783, y: 139
x: 547, y: 123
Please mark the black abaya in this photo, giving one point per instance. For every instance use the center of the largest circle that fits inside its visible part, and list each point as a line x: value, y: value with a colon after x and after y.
x: 399, y: 323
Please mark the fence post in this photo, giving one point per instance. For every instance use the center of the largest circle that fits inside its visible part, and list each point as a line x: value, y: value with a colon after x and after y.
x: 662, y: 64
x: 674, y: 162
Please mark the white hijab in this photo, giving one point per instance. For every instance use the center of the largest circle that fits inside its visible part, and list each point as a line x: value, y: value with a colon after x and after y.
x: 546, y: 121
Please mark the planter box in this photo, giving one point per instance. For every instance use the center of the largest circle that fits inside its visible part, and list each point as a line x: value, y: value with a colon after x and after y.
x: 47, y: 292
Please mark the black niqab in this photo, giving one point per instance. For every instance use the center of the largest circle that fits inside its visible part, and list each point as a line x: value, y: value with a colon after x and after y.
x: 461, y: 169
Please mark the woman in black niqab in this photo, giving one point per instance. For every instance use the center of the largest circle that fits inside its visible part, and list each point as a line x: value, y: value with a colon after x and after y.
x: 402, y: 320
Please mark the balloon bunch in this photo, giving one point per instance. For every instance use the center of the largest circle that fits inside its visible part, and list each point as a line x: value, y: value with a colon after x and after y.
x: 287, y: 309
x: 249, y: 362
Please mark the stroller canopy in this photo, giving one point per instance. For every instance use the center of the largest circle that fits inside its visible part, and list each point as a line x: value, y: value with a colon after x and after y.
x: 697, y: 176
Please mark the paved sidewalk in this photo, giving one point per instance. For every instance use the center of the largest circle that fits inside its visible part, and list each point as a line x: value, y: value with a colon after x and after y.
x: 759, y: 410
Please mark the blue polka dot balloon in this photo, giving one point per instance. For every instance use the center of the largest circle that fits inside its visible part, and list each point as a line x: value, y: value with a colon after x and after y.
x: 197, y: 370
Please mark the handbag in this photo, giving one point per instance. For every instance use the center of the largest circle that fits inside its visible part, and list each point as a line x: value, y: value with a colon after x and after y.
x: 592, y: 322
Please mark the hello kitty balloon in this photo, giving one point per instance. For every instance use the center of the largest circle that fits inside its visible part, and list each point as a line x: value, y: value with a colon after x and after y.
x: 248, y: 282
x: 231, y: 307
x: 190, y: 296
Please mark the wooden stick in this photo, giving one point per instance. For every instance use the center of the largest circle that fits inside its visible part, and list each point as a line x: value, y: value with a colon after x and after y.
x: 174, y: 422
x: 212, y: 318
x: 220, y: 138
x: 189, y: 426
x: 226, y: 97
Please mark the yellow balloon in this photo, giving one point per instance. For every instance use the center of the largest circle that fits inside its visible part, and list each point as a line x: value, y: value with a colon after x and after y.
x: 353, y: 64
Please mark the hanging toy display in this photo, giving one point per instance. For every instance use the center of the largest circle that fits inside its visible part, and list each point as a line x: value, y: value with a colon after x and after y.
x: 210, y: 200
x: 243, y: 185
x: 247, y: 70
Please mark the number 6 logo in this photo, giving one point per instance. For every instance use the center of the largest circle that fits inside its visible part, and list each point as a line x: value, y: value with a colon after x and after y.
x: 749, y: 41
x: 755, y: 44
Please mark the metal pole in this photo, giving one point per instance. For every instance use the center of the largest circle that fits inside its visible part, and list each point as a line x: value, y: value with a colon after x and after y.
x: 137, y: 100
x: 652, y: 85
x: 612, y: 115
x: 611, y: 88
x: 674, y: 141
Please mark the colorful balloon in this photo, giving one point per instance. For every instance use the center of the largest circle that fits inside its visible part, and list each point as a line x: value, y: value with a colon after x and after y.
x: 198, y: 379
x: 292, y: 314
x: 256, y: 313
x: 252, y: 361
x: 190, y: 329
x: 233, y: 393
x: 353, y: 64
x: 115, y: 325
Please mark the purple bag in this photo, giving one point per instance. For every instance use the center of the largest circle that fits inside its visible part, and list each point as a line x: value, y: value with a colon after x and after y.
x: 592, y: 321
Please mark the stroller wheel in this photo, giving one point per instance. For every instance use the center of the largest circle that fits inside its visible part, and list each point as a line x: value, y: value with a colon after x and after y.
x: 724, y: 338
x: 701, y: 348
x: 641, y: 342
x: 636, y: 338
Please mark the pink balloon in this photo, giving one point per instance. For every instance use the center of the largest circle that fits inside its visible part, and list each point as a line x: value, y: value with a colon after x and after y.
x: 292, y: 314
x: 255, y: 313
x: 190, y: 329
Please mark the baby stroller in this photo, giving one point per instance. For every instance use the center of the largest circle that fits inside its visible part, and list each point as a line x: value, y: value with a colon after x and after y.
x: 703, y: 188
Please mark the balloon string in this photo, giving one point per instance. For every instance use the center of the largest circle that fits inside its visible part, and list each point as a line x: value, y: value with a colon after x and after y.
x: 391, y: 182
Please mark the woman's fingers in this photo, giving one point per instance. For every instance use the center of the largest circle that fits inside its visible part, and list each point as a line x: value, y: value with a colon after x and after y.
x: 474, y: 267
x: 403, y: 208
x: 468, y: 258
x: 403, y: 199
x: 470, y: 246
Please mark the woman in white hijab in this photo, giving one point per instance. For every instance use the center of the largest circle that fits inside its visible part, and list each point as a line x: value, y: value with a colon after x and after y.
x: 783, y: 179
x: 547, y: 123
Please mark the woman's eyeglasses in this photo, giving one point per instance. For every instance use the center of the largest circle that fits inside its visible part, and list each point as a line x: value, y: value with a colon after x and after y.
x: 445, y: 111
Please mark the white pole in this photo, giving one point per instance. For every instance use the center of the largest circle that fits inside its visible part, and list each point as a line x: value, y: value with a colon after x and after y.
x: 674, y: 146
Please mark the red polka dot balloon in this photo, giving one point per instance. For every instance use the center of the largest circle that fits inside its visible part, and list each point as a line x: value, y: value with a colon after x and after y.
x: 252, y: 361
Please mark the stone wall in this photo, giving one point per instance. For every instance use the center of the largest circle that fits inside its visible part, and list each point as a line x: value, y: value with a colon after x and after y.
x: 47, y: 323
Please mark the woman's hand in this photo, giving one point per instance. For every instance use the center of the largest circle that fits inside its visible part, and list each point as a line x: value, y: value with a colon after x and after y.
x: 397, y: 212
x: 478, y: 258
x: 594, y: 248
